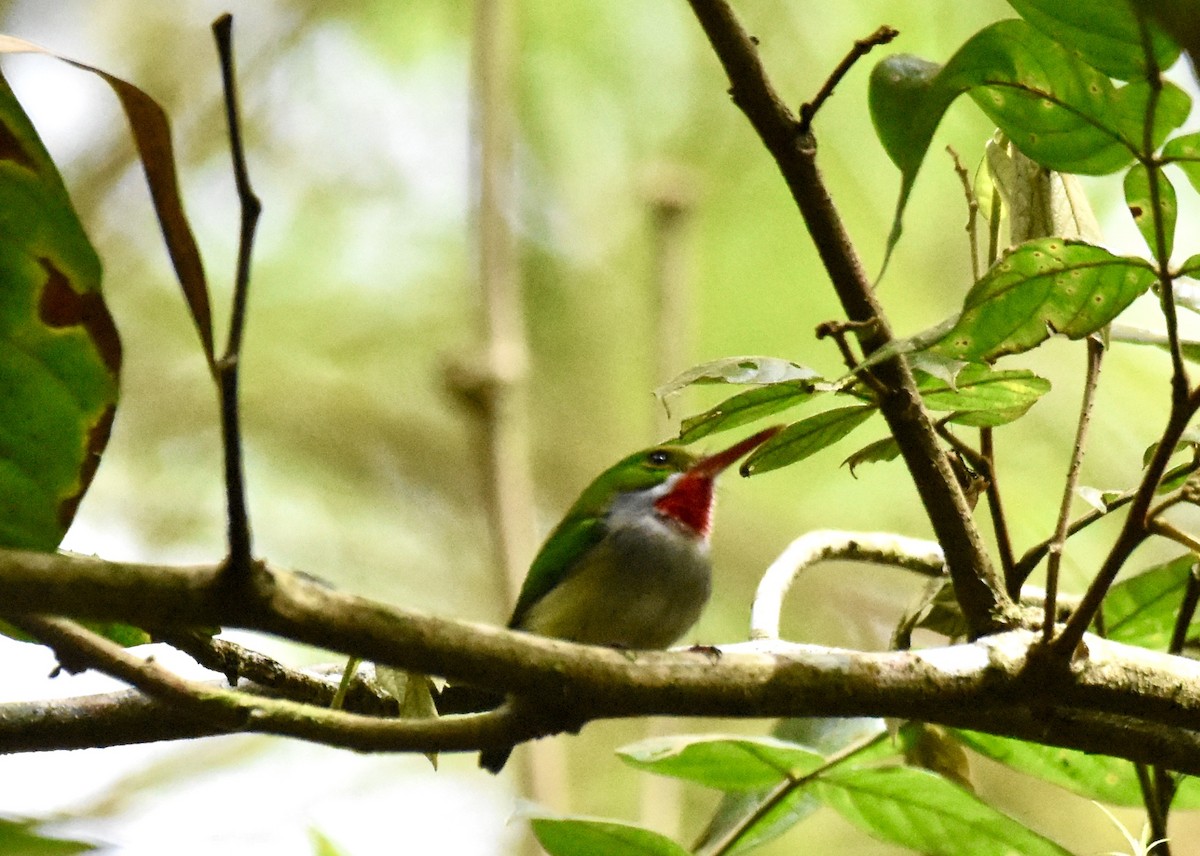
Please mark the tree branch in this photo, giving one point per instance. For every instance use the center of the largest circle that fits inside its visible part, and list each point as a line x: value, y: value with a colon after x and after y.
x: 1119, y: 700
x: 976, y: 585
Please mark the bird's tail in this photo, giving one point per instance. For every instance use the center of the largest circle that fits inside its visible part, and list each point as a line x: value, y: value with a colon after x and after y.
x: 463, y: 698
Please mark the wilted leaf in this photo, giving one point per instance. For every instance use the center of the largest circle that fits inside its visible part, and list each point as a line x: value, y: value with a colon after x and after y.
x: 806, y: 437
x: 748, y: 406
x: 1040, y: 202
x: 927, y: 813
x: 1043, y: 286
x: 152, y: 137
x: 1139, y: 200
x: 414, y: 691
x: 1096, y: 498
x: 884, y: 449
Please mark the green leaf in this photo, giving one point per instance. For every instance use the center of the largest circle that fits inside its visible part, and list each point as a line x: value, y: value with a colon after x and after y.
x: 884, y: 449
x: 978, y: 387
x: 22, y: 838
x: 924, y: 812
x: 1043, y: 286
x: 1184, y: 152
x: 748, y: 406
x: 59, y: 351
x: 821, y: 734
x: 1139, y: 200
x: 739, y: 370
x: 1104, y: 34
x: 1097, y: 777
x: 726, y: 762
x: 1141, y: 610
x: 579, y: 836
x: 806, y: 437
x: 1190, y: 267
x: 1057, y: 109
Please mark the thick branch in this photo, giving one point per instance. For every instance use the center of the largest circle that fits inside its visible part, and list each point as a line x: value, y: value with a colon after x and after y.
x: 1119, y: 699
x: 978, y: 588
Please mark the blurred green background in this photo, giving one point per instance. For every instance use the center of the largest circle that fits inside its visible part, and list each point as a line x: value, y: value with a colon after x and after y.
x: 362, y: 464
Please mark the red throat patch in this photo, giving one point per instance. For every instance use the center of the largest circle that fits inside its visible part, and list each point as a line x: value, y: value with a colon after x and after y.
x: 690, y: 503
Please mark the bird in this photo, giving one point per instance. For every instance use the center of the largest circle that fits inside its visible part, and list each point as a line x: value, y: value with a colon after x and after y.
x: 628, y: 566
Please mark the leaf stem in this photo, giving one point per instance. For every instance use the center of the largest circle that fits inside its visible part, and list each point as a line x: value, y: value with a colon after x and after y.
x: 861, y: 48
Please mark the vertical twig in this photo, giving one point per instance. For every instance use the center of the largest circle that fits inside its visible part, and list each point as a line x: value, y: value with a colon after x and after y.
x: 972, y: 209
x: 240, y: 549
x: 987, y: 449
x: 1095, y: 355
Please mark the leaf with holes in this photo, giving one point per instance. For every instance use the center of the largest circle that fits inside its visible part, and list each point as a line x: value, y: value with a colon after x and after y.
x: 806, y: 437
x: 59, y: 351
x: 1042, y: 287
x: 1140, y: 201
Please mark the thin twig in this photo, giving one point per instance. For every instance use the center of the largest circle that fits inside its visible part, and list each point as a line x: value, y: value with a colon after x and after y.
x: 1147, y: 783
x: 230, y: 710
x: 1031, y: 557
x: 240, y: 547
x: 987, y: 451
x: 861, y: 48
x: 972, y: 209
x: 1095, y: 356
x: 237, y: 662
x: 1134, y: 530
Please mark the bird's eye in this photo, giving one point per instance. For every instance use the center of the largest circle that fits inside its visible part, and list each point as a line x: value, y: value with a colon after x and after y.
x: 658, y: 457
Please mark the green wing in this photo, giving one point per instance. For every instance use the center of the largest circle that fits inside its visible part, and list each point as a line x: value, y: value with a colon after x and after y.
x: 573, y: 537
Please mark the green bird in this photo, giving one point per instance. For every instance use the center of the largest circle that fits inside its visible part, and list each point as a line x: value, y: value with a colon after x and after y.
x: 629, y: 564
